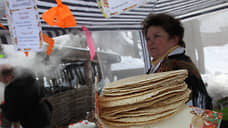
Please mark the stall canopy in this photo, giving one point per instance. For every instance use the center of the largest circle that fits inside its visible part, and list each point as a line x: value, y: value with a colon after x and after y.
x: 88, y: 13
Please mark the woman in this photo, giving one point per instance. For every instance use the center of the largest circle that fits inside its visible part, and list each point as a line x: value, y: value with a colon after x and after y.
x: 164, y: 36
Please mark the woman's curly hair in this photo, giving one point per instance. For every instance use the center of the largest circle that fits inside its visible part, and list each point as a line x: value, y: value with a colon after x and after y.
x: 171, y: 25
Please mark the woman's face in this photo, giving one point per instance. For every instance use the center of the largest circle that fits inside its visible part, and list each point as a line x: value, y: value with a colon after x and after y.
x: 159, y: 41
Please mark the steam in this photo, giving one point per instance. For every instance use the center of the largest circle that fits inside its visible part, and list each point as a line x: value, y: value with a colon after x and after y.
x: 217, y: 86
x: 39, y: 62
x: 35, y: 62
x: 16, y: 58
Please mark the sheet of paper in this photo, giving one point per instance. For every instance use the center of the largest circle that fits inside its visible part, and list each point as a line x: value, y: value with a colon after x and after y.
x: 24, y: 25
x: 114, y: 7
x: 20, y: 4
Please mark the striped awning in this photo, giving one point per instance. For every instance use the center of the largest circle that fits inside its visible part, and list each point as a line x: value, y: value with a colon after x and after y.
x: 88, y: 13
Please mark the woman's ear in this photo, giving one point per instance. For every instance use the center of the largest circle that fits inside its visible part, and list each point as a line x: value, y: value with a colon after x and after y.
x: 175, y: 40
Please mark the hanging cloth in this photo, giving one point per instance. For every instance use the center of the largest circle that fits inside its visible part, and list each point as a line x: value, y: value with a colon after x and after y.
x: 60, y: 16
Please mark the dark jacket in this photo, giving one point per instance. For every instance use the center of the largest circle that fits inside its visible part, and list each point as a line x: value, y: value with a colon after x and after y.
x: 24, y: 101
x: 194, y: 81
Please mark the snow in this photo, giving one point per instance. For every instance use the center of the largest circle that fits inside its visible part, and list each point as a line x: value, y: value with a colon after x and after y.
x: 128, y: 62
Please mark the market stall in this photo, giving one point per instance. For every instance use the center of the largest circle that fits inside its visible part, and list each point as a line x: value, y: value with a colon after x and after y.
x: 78, y: 85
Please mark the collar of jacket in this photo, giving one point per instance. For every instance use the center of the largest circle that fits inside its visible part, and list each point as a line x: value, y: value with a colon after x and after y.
x: 178, y: 50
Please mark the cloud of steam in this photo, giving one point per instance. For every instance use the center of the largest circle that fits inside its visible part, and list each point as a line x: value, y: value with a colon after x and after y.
x: 40, y: 63
x: 34, y: 62
x: 217, y: 86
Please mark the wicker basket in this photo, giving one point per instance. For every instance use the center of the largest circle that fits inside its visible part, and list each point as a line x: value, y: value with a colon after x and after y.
x: 70, y: 106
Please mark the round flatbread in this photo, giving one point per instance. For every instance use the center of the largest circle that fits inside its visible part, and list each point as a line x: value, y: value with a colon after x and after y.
x: 146, y: 78
x: 138, y: 97
x: 143, y: 99
x: 115, y: 124
x: 151, y: 110
x: 163, y: 99
x: 121, y: 92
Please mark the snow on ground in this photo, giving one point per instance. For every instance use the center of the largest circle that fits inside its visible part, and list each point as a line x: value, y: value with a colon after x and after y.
x: 128, y: 62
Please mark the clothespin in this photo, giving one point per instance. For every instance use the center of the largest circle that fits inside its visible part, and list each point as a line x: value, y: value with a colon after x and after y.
x: 50, y: 43
x: 2, y: 26
x: 60, y: 16
x: 26, y: 53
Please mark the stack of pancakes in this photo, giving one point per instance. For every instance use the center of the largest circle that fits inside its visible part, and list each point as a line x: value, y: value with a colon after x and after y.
x: 143, y: 99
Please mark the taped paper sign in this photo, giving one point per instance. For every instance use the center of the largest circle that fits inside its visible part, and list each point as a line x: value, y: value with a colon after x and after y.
x: 24, y: 25
x: 114, y: 7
